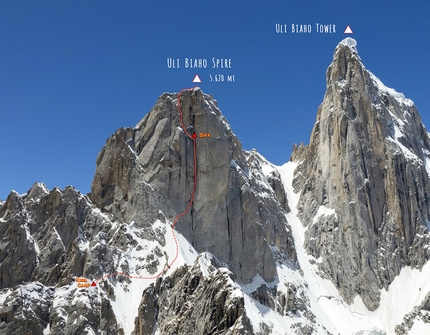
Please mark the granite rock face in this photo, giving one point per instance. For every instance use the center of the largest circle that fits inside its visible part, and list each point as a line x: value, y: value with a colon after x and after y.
x: 235, y: 215
x: 363, y: 181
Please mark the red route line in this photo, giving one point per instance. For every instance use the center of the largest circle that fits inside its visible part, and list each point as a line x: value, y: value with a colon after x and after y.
x: 193, y: 138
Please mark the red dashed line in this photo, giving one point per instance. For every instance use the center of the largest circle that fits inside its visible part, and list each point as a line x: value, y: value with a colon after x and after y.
x: 193, y: 138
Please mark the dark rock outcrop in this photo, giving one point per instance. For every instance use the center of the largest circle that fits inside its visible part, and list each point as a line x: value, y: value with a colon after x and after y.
x: 193, y: 302
x: 291, y: 301
x: 418, y: 313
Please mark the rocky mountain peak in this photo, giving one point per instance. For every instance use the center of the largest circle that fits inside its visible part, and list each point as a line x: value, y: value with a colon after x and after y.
x: 36, y: 192
x: 149, y: 172
x: 363, y: 180
x: 393, y: 116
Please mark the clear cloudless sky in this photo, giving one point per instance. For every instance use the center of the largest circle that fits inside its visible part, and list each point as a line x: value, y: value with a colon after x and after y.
x: 73, y: 71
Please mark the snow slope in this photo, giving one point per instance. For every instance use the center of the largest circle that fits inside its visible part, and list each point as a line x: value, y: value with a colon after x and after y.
x: 128, y: 296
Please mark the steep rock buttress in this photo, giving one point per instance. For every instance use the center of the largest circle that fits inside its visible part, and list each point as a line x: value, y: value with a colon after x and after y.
x: 363, y: 181
x: 147, y: 172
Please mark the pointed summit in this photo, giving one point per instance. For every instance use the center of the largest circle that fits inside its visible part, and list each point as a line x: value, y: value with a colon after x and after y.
x: 366, y: 163
x: 346, y: 70
x: 350, y: 43
x: 345, y: 52
x: 347, y: 67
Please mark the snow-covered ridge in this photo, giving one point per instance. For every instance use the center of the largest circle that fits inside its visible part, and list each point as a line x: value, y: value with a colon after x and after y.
x: 400, y: 97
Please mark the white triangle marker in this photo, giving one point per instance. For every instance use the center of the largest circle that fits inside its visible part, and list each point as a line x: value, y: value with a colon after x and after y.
x: 197, y: 79
x: 348, y: 30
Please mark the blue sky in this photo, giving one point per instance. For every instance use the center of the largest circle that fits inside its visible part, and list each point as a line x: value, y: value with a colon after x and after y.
x: 72, y: 72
